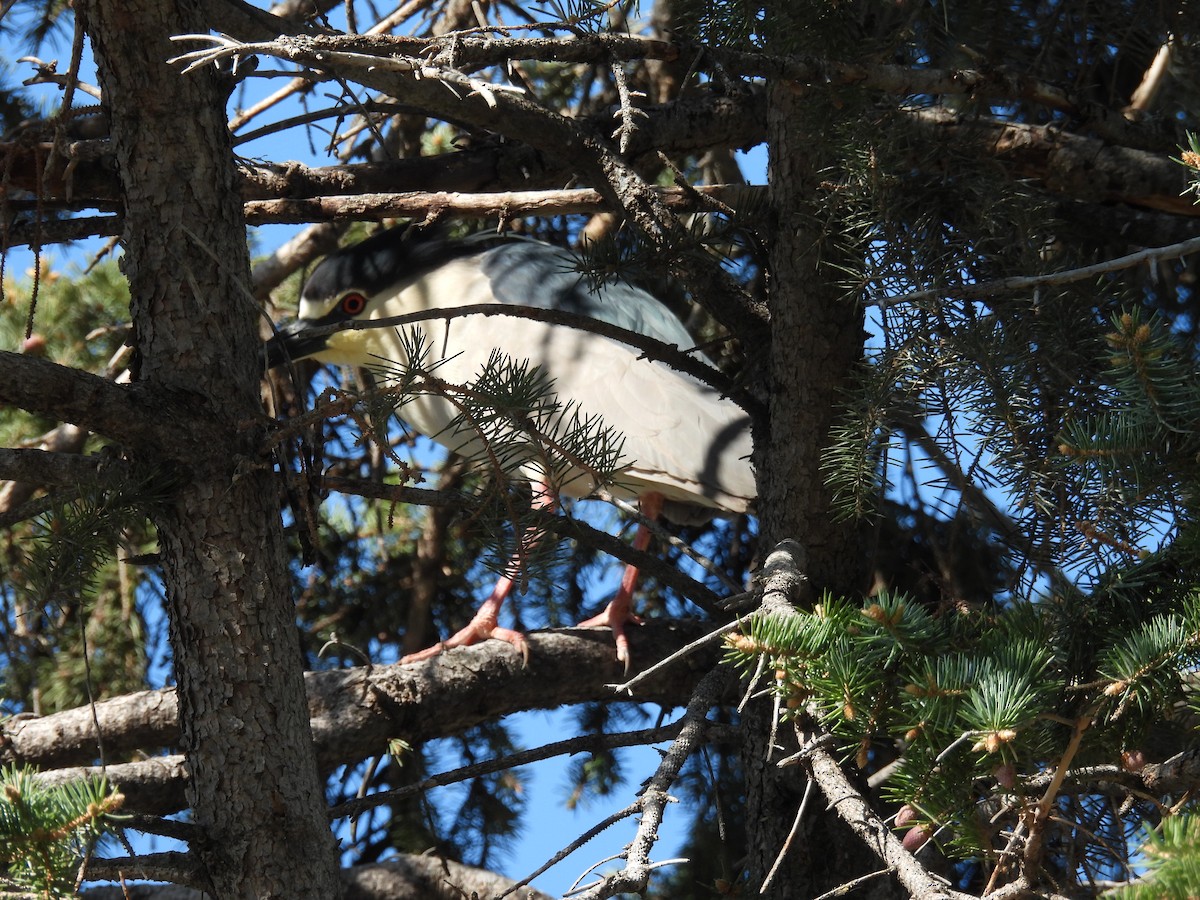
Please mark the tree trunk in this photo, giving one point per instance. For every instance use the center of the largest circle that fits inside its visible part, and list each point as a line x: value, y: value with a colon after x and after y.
x: 254, y: 789
x: 816, y: 342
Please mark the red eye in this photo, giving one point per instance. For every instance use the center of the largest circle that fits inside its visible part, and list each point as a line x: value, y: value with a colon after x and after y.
x: 353, y: 304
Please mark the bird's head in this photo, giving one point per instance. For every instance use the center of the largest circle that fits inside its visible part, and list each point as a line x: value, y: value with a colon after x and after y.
x: 359, y: 282
x: 352, y: 283
x: 310, y: 335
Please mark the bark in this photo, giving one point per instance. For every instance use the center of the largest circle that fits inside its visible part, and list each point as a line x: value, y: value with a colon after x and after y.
x: 816, y: 344
x: 691, y: 124
x: 868, y: 827
x: 69, y: 469
x: 356, y: 712
x: 408, y: 877
x: 254, y: 791
x: 1070, y: 165
x: 126, y: 415
x: 816, y: 340
x: 65, y: 440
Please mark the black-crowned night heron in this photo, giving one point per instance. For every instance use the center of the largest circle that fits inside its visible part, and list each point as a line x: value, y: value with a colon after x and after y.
x: 686, y: 448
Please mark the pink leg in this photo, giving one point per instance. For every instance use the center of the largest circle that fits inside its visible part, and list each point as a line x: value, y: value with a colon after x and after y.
x: 485, y: 625
x: 619, y: 611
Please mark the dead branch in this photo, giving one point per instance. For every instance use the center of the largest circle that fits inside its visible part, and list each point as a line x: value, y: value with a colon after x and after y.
x: 635, y: 874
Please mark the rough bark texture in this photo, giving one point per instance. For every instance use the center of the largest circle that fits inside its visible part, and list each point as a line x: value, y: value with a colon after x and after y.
x: 241, y: 695
x: 816, y: 340
x: 407, y: 877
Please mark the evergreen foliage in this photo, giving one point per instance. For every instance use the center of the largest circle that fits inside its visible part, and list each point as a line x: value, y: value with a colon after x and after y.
x: 1171, y: 855
x: 1026, y: 457
x: 46, y: 832
x: 977, y: 703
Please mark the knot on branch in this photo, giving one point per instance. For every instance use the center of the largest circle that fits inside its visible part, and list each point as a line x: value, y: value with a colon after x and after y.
x: 783, y: 577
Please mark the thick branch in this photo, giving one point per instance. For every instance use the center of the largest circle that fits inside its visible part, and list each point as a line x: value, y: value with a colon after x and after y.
x: 180, y: 868
x: 153, y: 786
x: 239, y: 17
x: 1083, y: 168
x: 89, y: 401
x: 426, y: 877
x: 141, y: 721
x: 1178, y: 775
x: 405, y: 877
x: 356, y: 712
x: 61, y: 440
x: 503, y: 205
x: 64, y: 469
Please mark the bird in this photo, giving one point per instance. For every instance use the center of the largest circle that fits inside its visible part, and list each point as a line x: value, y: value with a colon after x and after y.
x: 685, y: 448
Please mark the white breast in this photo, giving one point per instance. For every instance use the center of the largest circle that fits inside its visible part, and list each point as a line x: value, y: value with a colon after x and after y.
x: 681, y: 438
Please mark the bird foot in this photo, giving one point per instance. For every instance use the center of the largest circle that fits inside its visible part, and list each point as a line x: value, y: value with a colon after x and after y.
x: 616, y: 616
x: 481, y: 628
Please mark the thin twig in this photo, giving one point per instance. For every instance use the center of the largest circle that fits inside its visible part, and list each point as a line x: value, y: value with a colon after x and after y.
x: 1025, y: 282
x: 575, y: 844
x: 635, y: 875
x: 843, y: 889
x: 787, y: 842
x: 628, y: 686
x: 753, y: 682
x: 627, y: 112
x: 1037, y: 830
x: 510, y: 761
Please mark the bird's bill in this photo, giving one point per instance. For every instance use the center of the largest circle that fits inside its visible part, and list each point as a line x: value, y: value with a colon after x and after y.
x: 293, y: 341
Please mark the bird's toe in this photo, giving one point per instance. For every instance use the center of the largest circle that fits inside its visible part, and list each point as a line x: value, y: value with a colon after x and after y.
x: 479, y: 630
x: 615, y: 617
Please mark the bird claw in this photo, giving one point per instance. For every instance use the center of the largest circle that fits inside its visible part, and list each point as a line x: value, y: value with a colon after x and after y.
x: 479, y: 629
x: 615, y: 617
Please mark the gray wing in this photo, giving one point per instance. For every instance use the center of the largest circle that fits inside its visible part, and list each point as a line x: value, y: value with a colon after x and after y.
x: 528, y: 273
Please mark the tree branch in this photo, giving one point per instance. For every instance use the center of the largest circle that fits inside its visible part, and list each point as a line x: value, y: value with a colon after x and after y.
x: 153, y: 786
x: 582, y: 744
x: 505, y: 205
x: 356, y: 712
x: 426, y: 877
x: 448, y: 93
x: 634, y: 876
x: 470, y: 51
x: 406, y: 877
x: 693, y: 123
x: 1019, y: 283
x: 678, y: 358
x: 69, y: 395
x: 1084, y: 168
x: 179, y: 868
x: 872, y: 830
x: 64, y: 469
x: 62, y: 440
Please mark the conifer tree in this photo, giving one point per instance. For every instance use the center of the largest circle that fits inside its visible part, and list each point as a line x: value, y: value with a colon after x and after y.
x: 953, y: 651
